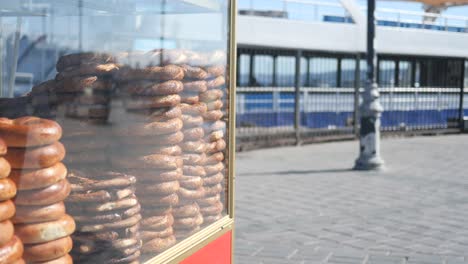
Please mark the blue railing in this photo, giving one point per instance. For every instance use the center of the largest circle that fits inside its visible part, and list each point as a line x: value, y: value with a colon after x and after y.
x: 390, y: 23
x: 268, y: 108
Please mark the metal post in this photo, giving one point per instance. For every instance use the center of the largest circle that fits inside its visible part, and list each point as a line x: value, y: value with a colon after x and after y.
x: 396, y: 74
x: 461, y: 113
x: 371, y: 109
x: 297, y: 99
x: 338, y: 71
x: 357, y: 88
x: 275, y: 81
x: 252, y: 81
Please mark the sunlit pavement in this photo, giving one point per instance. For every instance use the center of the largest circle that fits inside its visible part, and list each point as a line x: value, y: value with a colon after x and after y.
x: 305, y: 205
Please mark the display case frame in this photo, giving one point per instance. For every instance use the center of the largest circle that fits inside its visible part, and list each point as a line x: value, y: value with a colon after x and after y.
x: 224, y: 227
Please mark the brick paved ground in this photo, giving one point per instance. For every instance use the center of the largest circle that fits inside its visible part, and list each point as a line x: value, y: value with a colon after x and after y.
x: 304, y: 205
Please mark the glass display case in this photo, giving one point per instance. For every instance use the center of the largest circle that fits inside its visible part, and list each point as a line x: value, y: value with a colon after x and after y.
x: 116, y: 129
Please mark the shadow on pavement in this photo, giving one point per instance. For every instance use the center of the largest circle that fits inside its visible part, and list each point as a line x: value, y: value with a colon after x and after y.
x: 295, y: 172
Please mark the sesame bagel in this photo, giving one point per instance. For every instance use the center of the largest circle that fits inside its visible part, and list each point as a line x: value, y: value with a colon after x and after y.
x: 29, y: 131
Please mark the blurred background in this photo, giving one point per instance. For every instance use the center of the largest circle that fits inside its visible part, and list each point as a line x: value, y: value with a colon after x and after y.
x: 301, y: 79
x: 421, y: 68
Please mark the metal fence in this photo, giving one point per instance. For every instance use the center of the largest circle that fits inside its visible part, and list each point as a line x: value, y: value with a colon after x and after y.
x: 420, y: 108
x: 261, y: 109
x: 329, y: 90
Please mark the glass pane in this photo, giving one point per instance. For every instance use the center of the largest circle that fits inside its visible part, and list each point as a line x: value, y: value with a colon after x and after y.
x: 440, y: 73
x: 285, y: 70
x: 417, y: 75
x: 404, y: 74
x: 263, y: 70
x: 348, y: 69
x: 122, y: 113
x: 386, y: 73
x: 323, y: 72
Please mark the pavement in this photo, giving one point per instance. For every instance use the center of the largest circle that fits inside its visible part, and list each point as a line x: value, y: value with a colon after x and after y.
x: 305, y: 205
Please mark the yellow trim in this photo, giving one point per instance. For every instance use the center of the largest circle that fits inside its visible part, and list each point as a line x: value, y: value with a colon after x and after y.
x: 232, y: 116
x: 232, y: 107
x: 192, y: 244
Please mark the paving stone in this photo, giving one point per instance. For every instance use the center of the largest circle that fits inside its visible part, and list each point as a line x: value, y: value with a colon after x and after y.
x: 305, y: 205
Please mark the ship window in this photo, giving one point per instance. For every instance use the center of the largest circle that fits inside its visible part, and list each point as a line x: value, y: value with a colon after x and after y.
x: 348, y: 68
x: 386, y: 73
x: 417, y: 74
x: 263, y: 70
x: 244, y: 70
x: 285, y: 70
x: 404, y: 74
x: 454, y: 71
x: 323, y: 72
x: 440, y: 73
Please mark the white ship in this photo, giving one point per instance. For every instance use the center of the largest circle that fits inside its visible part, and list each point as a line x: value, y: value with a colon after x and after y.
x: 422, y: 66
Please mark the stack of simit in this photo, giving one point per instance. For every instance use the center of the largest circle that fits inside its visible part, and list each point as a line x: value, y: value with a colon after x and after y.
x: 188, y: 218
x: 11, y: 247
x: 211, y: 205
x: 107, y: 214
x: 149, y: 131
x: 35, y: 155
x: 102, y: 201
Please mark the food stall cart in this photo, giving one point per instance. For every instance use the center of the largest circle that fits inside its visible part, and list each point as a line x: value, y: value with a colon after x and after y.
x: 119, y: 148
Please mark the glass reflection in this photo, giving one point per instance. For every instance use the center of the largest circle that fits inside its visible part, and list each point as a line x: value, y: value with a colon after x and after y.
x: 139, y: 90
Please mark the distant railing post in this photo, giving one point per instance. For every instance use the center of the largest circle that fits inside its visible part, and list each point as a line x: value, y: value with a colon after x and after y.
x: 305, y: 101
x: 276, y: 101
x: 240, y: 103
x: 297, y: 98
x: 416, y: 101
x: 461, y: 112
x: 357, y: 84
